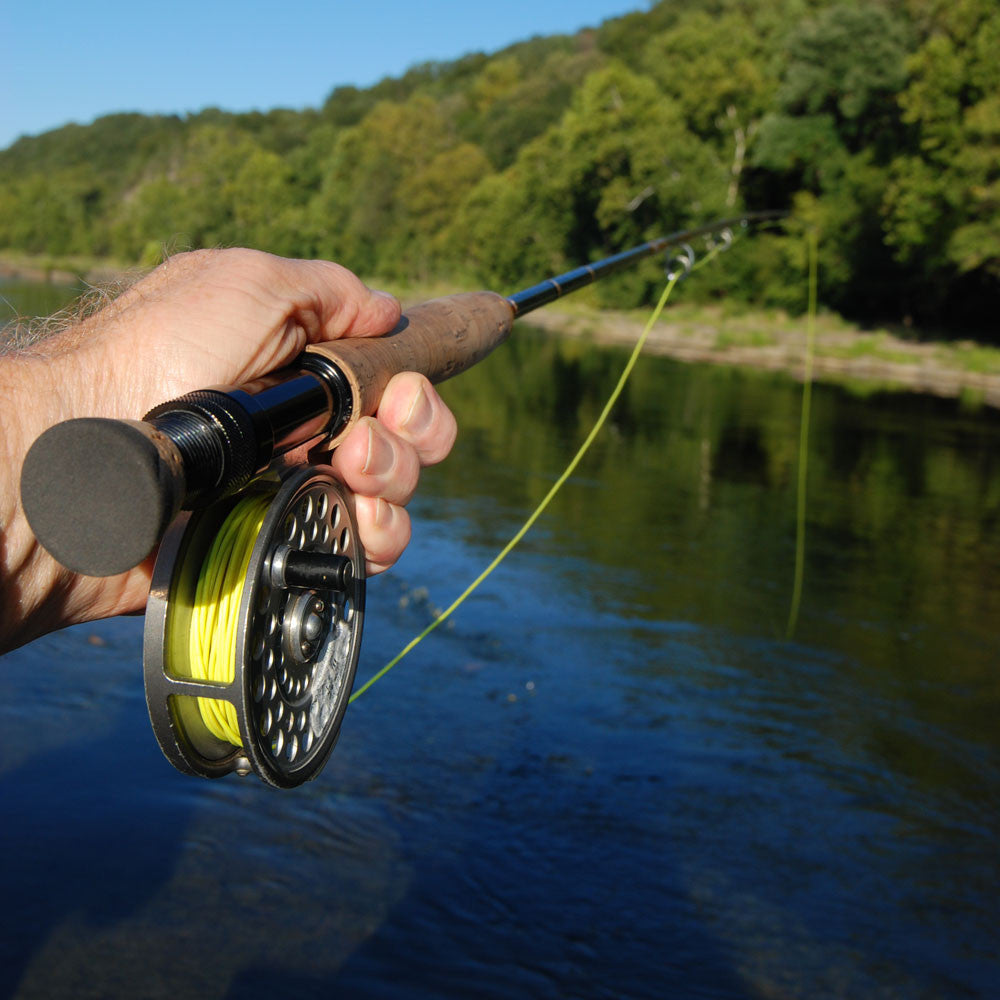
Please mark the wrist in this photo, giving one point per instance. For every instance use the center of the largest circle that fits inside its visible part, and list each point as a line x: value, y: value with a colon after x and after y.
x: 37, y: 594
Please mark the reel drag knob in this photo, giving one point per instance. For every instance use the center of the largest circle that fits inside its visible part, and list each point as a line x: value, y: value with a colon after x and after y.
x: 253, y: 630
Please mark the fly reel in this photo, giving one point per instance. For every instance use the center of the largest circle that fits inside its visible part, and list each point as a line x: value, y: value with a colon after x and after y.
x: 253, y: 629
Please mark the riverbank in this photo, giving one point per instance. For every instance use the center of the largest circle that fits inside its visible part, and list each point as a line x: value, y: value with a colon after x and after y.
x: 867, y: 359
x: 65, y: 270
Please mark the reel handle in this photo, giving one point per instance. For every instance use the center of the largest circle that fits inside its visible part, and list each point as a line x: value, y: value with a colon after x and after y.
x: 99, y: 494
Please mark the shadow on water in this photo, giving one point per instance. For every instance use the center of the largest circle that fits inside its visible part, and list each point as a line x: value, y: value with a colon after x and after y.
x: 85, y: 838
x: 85, y: 844
x: 556, y: 907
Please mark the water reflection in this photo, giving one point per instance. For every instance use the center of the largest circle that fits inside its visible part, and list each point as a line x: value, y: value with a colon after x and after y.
x: 903, y: 491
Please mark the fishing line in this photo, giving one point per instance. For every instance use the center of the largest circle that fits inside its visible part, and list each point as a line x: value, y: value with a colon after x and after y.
x: 800, y: 512
x: 683, y: 265
x: 214, y: 615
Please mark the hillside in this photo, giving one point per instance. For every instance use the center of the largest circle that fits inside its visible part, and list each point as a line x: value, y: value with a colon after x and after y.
x: 879, y: 122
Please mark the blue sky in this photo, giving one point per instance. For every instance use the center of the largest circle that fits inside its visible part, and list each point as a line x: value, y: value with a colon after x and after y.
x: 75, y: 61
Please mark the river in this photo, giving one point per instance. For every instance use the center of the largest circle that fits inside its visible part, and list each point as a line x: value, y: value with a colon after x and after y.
x: 613, y: 775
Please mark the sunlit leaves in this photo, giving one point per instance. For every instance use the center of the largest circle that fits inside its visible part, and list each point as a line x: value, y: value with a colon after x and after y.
x: 880, y: 122
x: 942, y: 207
x: 618, y: 167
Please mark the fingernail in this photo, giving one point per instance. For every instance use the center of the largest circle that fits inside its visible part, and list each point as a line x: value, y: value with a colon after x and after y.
x: 381, y: 456
x: 383, y: 513
x: 421, y: 413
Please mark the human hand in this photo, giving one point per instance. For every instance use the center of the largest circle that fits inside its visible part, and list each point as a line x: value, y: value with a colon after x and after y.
x: 207, y: 318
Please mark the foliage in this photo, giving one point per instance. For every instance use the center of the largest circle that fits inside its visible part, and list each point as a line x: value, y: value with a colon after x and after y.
x: 618, y: 163
x: 877, y: 121
x: 942, y: 203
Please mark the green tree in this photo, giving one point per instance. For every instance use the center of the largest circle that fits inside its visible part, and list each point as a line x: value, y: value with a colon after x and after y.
x: 834, y: 131
x: 430, y: 197
x: 223, y: 190
x: 45, y: 213
x: 718, y: 71
x: 616, y: 167
x: 360, y: 215
x: 943, y: 202
x: 524, y: 97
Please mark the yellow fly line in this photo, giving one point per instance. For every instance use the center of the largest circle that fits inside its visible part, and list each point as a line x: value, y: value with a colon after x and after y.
x: 558, y: 484
x: 215, y: 615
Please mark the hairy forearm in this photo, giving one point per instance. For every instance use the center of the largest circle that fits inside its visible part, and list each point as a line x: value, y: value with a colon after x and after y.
x: 221, y: 317
x: 29, y: 579
x: 36, y: 593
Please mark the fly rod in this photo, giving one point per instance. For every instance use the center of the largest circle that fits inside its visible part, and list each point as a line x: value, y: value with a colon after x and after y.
x: 99, y: 493
x: 255, y: 611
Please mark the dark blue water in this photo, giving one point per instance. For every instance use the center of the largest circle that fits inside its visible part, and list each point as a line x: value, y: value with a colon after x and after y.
x: 613, y: 776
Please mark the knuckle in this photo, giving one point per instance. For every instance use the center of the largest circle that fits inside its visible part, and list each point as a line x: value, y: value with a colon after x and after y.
x: 191, y: 258
x: 407, y: 477
x: 384, y: 528
x: 398, y: 399
x: 439, y: 446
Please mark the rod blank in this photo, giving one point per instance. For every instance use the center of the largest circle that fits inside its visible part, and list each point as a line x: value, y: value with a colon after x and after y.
x: 551, y: 289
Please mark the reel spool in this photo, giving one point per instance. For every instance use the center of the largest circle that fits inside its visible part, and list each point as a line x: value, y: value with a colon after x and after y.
x: 297, y: 623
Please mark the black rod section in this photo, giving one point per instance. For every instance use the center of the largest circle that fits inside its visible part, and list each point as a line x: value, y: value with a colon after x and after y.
x: 554, y: 288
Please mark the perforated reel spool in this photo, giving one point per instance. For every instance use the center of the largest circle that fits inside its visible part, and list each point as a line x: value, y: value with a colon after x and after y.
x: 297, y: 641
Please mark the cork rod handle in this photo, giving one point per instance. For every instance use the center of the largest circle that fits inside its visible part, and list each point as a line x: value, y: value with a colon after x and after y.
x: 439, y: 338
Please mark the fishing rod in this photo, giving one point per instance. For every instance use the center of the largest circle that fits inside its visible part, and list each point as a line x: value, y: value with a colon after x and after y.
x: 256, y: 605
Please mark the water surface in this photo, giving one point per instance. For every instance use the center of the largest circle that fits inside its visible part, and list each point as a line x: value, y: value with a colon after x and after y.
x: 613, y: 776
x: 22, y: 299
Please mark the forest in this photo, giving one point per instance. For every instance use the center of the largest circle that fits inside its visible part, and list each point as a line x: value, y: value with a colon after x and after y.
x: 876, y: 122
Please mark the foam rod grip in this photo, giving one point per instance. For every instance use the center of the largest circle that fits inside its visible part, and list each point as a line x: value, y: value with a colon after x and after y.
x: 99, y: 494
x: 439, y: 338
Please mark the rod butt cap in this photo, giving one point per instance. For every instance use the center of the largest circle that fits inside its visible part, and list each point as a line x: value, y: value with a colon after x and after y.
x: 99, y: 494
